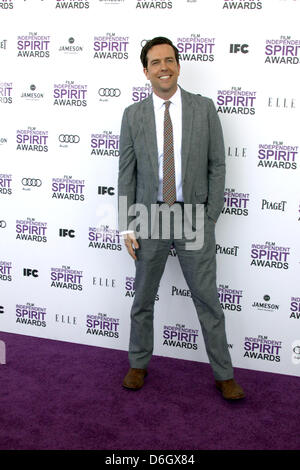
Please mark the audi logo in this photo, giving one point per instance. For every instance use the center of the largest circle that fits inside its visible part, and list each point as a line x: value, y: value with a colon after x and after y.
x: 69, y: 139
x: 31, y: 182
x: 2, y: 224
x: 109, y: 92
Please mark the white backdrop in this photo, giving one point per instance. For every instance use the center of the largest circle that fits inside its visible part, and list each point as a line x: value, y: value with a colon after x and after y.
x: 68, y: 70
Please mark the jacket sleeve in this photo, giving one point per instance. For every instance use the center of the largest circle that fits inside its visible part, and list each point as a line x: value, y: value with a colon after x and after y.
x: 127, y: 174
x: 216, y: 165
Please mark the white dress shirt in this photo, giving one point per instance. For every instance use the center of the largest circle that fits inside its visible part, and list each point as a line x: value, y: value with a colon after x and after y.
x: 175, y: 110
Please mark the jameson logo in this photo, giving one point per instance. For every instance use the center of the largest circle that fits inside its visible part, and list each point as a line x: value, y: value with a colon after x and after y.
x: 139, y: 93
x: 70, y: 94
x: 265, y: 306
x: 295, y: 308
x: 33, y: 45
x: 5, y: 271
x: 68, y: 188
x: 282, y: 51
x: 196, y: 48
x: 242, y: 5
x: 5, y: 92
x: 111, y: 46
x: 229, y: 298
x: 270, y: 255
x: 277, y: 155
x: 235, y: 203
x: 29, y: 314
x: 66, y: 278
x: 72, y: 4
x: 105, y: 238
x: 262, y: 348
x: 236, y: 101
x: 102, y: 325
x: 32, y: 140
x: 105, y: 144
x: 31, y: 230
x: 162, y: 4
x: 32, y: 95
x: 70, y: 48
x: 179, y: 336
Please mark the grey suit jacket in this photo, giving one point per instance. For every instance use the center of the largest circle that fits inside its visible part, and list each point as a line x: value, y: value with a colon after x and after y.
x: 203, y: 156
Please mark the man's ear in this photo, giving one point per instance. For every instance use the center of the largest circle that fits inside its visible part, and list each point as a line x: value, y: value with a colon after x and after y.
x: 146, y: 72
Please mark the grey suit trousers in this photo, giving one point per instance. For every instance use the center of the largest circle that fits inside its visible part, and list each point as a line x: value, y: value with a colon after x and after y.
x: 199, y: 270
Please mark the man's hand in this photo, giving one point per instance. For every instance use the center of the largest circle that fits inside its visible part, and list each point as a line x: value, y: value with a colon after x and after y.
x: 131, y: 244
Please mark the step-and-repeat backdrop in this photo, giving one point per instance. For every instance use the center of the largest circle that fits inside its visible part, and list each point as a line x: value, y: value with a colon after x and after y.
x: 68, y: 70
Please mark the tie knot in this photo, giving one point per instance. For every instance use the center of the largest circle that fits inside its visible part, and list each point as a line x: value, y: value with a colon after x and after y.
x: 167, y: 104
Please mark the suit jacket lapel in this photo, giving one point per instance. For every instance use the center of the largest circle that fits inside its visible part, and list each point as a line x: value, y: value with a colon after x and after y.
x: 187, y: 121
x: 150, y: 133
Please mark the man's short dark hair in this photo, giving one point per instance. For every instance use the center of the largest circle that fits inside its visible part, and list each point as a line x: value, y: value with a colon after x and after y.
x: 156, y: 42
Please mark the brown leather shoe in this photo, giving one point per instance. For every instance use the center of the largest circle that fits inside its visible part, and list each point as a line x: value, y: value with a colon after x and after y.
x: 230, y: 389
x: 134, y: 379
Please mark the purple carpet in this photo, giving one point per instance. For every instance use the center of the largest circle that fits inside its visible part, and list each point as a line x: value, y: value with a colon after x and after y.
x: 62, y: 396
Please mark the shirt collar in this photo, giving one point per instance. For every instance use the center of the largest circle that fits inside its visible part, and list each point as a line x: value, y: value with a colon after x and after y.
x: 159, y: 102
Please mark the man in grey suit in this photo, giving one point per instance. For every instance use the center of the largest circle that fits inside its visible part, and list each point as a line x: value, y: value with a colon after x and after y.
x: 172, y: 152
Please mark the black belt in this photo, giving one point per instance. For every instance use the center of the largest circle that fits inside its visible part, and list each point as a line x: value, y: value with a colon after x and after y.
x: 176, y: 202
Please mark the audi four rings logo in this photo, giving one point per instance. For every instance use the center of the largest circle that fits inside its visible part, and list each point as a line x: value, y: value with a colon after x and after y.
x: 31, y: 182
x: 2, y: 224
x: 69, y: 139
x: 109, y: 92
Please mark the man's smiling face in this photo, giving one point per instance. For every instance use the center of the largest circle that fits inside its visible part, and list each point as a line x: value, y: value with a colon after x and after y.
x: 162, y: 70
